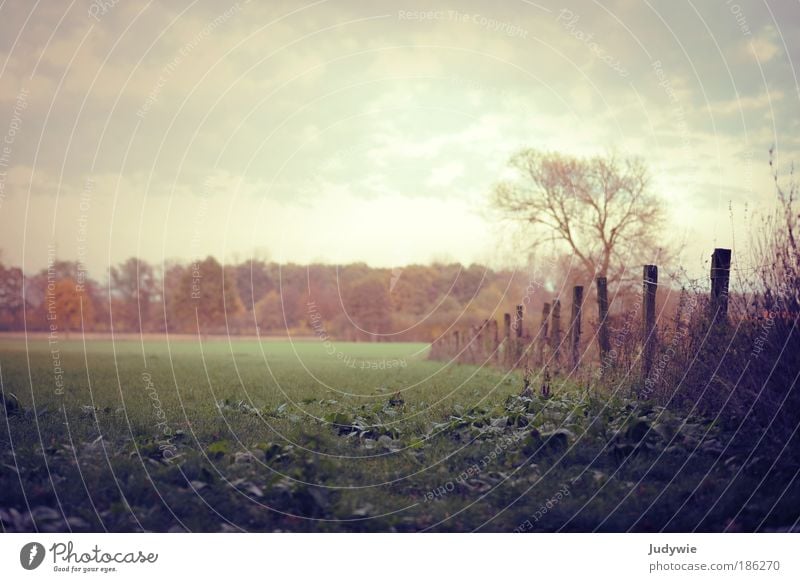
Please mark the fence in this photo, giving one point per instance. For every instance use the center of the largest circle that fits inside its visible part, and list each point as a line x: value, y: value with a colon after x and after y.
x: 516, y: 348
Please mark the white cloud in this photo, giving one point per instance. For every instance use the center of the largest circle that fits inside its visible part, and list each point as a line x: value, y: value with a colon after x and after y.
x: 748, y: 103
x: 764, y: 46
x: 444, y: 176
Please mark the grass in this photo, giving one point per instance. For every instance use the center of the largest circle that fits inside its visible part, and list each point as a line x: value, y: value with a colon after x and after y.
x: 273, y: 436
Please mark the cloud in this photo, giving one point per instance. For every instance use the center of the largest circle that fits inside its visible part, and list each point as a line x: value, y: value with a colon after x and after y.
x: 444, y: 176
x: 748, y: 103
x: 764, y: 46
x: 359, y: 127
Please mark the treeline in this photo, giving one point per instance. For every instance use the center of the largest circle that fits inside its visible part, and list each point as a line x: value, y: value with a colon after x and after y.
x: 350, y: 302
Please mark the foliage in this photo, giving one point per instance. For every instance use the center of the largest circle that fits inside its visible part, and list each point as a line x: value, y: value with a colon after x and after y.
x: 353, y: 302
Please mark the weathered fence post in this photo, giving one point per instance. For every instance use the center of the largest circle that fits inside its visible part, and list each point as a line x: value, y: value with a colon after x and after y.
x: 495, y: 341
x: 555, y: 331
x: 720, y: 277
x: 602, y: 313
x: 486, y: 333
x: 507, y: 338
x: 480, y: 339
x: 543, y: 331
x: 516, y: 352
x: 575, y: 324
x: 471, y: 343
x: 649, y: 288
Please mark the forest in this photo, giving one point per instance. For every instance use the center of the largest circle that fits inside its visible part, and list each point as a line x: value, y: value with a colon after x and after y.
x: 355, y: 302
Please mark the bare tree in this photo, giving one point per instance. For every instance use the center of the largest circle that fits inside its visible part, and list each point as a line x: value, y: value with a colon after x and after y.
x: 599, y: 209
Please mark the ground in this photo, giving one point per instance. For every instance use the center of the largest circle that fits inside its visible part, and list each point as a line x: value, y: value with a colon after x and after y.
x: 311, y: 436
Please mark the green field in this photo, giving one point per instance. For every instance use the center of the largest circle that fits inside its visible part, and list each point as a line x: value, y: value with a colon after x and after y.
x: 273, y: 436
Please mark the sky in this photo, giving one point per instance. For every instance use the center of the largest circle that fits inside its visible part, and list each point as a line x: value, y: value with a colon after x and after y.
x: 345, y: 131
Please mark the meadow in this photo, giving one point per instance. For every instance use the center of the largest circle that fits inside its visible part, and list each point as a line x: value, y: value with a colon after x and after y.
x: 241, y: 435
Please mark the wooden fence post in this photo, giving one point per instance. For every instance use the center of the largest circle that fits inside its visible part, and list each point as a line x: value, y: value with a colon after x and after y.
x: 486, y: 343
x: 575, y: 324
x: 507, y: 338
x: 720, y: 277
x: 649, y: 287
x: 543, y: 331
x: 480, y: 338
x: 602, y: 313
x: 474, y: 332
x: 495, y: 341
x: 555, y: 331
x: 516, y: 351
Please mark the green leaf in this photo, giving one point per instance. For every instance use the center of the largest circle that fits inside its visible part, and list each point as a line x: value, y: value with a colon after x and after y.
x: 218, y: 449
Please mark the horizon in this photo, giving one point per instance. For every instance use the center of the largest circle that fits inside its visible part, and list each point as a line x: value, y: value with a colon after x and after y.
x: 532, y: 270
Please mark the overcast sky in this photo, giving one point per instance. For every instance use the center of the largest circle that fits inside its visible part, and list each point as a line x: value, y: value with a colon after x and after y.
x: 342, y: 131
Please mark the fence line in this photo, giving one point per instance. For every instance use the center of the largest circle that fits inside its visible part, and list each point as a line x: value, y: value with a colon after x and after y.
x: 482, y: 344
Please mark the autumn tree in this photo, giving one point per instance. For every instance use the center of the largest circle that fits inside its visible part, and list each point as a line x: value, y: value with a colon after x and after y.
x: 598, y: 209
x: 413, y: 290
x: 133, y: 290
x: 369, y: 308
x: 173, y: 297
x: 12, y: 305
x: 207, y: 298
x: 73, y: 306
x: 270, y: 314
x: 254, y: 279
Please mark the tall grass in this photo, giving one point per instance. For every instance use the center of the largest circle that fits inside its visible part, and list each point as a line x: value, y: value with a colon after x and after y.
x: 743, y: 371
